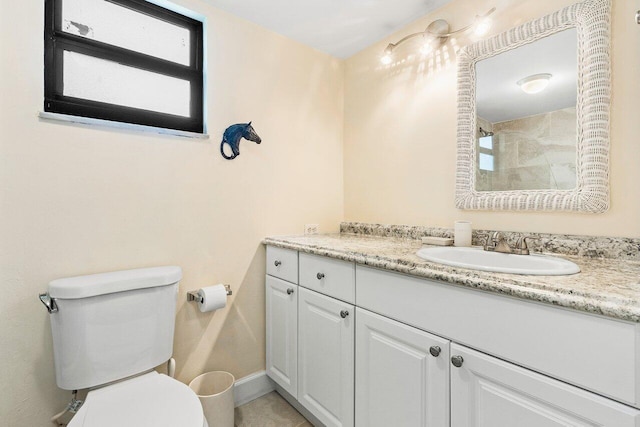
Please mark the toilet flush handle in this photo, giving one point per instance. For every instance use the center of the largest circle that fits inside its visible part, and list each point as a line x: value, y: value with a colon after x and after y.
x: 171, y: 367
x: 49, y: 302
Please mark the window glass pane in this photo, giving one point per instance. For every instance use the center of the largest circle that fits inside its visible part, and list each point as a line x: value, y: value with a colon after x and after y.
x: 106, y: 81
x: 486, y: 142
x: 119, y: 26
x: 486, y: 162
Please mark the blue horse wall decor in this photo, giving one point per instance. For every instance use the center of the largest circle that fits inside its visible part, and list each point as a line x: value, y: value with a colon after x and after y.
x: 232, y: 136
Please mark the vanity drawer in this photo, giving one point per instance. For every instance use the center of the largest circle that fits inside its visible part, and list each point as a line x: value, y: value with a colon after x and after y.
x: 328, y: 276
x: 589, y: 351
x: 282, y: 263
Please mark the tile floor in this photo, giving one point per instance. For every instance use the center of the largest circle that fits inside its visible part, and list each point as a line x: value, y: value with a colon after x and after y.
x: 270, y: 410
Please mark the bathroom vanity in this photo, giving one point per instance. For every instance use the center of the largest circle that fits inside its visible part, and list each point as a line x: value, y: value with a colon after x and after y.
x: 360, y: 331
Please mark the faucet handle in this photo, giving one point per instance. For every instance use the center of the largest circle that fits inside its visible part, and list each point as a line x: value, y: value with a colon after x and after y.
x: 496, y: 236
x: 521, y: 244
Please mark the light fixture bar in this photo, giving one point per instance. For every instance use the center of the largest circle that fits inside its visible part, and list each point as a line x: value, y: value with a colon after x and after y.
x: 436, y: 30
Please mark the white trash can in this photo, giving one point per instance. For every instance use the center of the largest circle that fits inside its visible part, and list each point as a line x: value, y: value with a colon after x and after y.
x: 215, y: 391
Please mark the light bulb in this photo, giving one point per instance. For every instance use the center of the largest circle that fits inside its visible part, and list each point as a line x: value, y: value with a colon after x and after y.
x: 534, y: 83
x: 482, y: 26
x: 426, y: 48
x: 387, y: 54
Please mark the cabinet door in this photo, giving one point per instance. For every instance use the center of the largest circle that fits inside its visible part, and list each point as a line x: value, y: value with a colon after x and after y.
x: 488, y: 392
x: 282, y: 333
x: 398, y: 381
x: 325, y: 357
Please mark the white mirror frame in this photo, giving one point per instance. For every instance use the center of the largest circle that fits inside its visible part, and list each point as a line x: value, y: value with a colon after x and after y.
x: 592, y: 19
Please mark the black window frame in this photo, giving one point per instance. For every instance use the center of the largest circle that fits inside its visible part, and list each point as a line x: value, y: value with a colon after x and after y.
x: 57, y: 41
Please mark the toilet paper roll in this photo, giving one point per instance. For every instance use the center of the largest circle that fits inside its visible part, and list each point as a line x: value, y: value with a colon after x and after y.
x: 212, y: 298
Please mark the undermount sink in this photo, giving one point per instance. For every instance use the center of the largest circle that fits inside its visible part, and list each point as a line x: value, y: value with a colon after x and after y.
x: 478, y: 259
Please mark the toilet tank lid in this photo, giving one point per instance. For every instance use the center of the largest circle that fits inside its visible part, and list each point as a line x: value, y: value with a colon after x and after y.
x: 117, y: 281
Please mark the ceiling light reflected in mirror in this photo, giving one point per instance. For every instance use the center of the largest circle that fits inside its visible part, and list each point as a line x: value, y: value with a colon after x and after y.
x: 535, y: 83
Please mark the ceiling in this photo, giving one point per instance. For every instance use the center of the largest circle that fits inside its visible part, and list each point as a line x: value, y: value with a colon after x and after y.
x: 338, y: 27
x: 498, y: 96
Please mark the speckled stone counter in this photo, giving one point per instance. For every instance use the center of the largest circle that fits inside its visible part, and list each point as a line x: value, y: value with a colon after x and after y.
x: 605, y: 286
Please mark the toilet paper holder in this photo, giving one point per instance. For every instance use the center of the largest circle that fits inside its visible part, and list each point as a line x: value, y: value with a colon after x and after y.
x: 193, y: 295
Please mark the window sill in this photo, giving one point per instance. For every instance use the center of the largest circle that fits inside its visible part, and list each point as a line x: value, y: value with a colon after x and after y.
x: 108, y: 124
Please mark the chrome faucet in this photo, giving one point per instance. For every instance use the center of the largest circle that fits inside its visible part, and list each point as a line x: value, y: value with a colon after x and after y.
x: 499, y: 244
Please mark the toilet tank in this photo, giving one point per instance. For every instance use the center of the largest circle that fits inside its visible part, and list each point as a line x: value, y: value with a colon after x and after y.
x: 112, y: 325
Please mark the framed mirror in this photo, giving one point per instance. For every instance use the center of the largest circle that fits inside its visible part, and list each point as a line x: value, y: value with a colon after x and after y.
x: 533, y: 115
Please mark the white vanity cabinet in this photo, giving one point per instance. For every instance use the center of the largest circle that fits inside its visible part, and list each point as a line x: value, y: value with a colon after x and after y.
x: 331, y: 277
x: 486, y: 391
x: 282, y: 263
x: 282, y: 333
x: 367, y: 347
x: 325, y: 357
x: 402, y: 374
x: 281, y: 312
x: 310, y: 331
x: 535, y: 360
x: 591, y: 352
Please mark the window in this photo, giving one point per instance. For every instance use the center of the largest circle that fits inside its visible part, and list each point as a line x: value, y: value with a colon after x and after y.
x: 485, y: 152
x: 124, y: 60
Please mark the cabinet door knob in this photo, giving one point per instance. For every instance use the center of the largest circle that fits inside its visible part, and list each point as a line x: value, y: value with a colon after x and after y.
x: 289, y: 291
x: 435, y: 350
x: 457, y: 361
x: 277, y: 263
x: 344, y: 313
x: 320, y: 276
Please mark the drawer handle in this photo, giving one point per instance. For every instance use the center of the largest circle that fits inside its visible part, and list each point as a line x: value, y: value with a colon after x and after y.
x: 435, y: 350
x: 320, y: 276
x: 344, y: 313
x: 457, y: 361
x: 277, y: 263
x: 289, y: 291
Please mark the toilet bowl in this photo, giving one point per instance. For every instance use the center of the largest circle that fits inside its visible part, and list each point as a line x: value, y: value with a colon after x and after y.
x: 151, y: 399
x: 109, y: 331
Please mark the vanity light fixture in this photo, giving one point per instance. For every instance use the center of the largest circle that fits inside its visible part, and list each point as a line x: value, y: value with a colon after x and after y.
x: 437, y: 33
x: 534, y: 83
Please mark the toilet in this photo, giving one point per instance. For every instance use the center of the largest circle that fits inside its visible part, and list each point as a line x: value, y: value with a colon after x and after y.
x: 109, y: 331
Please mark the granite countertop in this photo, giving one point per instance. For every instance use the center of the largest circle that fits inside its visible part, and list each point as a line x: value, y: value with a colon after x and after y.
x: 605, y: 286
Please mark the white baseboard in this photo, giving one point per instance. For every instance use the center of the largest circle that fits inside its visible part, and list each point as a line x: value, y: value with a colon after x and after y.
x: 252, y: 387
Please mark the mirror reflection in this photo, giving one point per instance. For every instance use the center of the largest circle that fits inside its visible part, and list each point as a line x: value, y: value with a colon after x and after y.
x: 526, y: 116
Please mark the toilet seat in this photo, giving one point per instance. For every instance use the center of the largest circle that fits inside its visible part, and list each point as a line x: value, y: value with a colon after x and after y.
x: 149, y: 400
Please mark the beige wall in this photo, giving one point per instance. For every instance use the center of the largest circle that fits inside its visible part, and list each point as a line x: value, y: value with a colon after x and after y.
x: 76, y: 200
x: 400, y: 131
